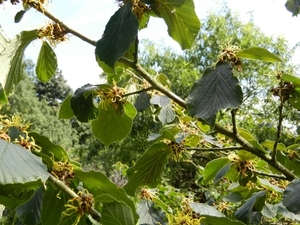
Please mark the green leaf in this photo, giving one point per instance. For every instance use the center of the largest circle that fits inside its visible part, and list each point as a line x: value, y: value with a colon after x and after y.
x: 289, y: 78
x: 160, y: 100
x: 222, y: 172
x: 30, y: 212
x: 11, y: 59
x: 204, y: 209
x: 98, y: 184
x: 112, y: 124
x: 129, y: 110
x: 166, y: 115
x: 213, y: 167
x: 120, y: 33
x: 251, y: 139
x: 269, y: 211
x: 53, y: 204
x: 149, y: 214
x: 294, y: 98
x: 48, y: 148
x: 259, y: 54
x: 148, y: 169
x: 181, y: 19
x: 291, y: 196
x: 293, y: 164
x: 293, y: 6
x: 245, y: 212
x: 117, y: 213
x: 82, y: 103
x: 282, y: 210
x: 3, y: 97
x: 217, y: 89
x: 18, y: 165
x: 19, y: 16
x: 14, y: 195
x: 212, y: 220
x: 142, y: 101
x: 65, y: 110
x: 47, y: 63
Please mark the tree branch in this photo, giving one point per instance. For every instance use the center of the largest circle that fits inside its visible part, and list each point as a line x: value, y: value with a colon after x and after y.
x: 215, y: 149
x: 234, y: 130
x: 270, y: 175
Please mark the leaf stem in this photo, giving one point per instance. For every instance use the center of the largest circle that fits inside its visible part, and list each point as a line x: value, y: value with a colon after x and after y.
x: 137, y: 92
x: 270, y: 175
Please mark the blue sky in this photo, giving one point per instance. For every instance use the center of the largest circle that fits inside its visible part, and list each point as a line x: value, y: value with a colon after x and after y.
x: 89, y: 17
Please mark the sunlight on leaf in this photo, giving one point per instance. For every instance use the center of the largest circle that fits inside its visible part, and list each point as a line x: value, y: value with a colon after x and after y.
x: 259, y: 54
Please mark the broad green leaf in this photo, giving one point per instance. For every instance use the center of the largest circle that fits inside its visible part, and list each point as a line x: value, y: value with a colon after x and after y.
x: 251, y: 139
x: 164, y: 80
x: 245, y: 155
x: 53, y: 204
x: 282, y: 210
x: 129, y: 110
x: 259, y: 54
x: 14, y: 195
x: 293, y: 6
x: 98, y: 184
x: 19, y: 16
x: 222, y: 172
x: 120, y: 32
x: 166, y: 115
x: 291, y: 196
x: 272, y: 187
x: 149, y: 214
x: 48, y: 148
x: 82, y: 103
x: 270, y: 145
x: 65, y: 110
x: 217, y: 89
x: 204, y: 209
x: 294, y: 98
x: 11, y: 59
x: 160, y: 100
x: 46, y: 63
x: 244, y: 213
x: 269, y: 211
x: 30, y: 212
x: 3, y: 97
x: 289, y: 78
x: 212, y: 220
x: 19, y: 165
x: 213, y: 167
x: 181, y: 19
x: 293, y: 164
x: 148, y: 169
x: 117, y: 213
x: 112, y: 124
x: 142, y: 101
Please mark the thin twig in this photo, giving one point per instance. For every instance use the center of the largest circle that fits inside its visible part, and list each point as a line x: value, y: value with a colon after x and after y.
x: 279, y: 126
x: 137, y: 92
x: 215, y: 149
x: 234, y: 130
x: 270, y: 175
